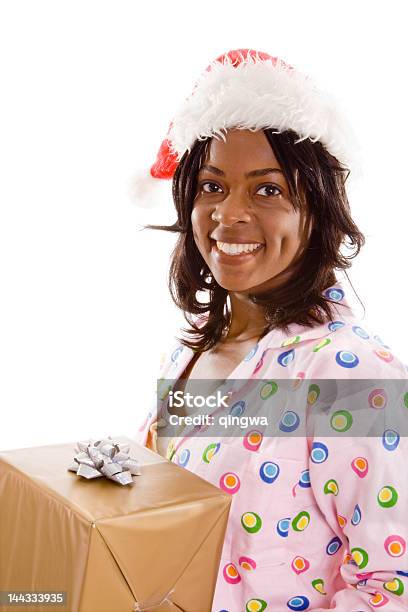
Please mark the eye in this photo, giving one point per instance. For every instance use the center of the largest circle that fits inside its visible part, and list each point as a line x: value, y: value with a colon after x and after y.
x: 210, y: 189
x: 268, y: 187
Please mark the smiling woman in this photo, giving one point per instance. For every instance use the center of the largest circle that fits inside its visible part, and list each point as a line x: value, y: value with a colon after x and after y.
x: 246, y: 210
x: 258, y: 160
x: 240, y: 255
x: 301, y: 218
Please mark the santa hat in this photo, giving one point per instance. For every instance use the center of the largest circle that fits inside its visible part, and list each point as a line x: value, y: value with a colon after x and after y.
x: 248, y: 89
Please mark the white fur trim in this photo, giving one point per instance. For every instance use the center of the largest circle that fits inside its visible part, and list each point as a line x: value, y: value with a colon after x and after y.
x: 256, y: 95
x: 148, y: 192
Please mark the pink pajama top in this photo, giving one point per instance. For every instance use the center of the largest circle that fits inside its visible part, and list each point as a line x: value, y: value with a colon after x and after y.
x: 317, y: 522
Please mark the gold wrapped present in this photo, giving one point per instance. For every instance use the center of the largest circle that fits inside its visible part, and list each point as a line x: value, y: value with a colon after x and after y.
x: 154, y: 544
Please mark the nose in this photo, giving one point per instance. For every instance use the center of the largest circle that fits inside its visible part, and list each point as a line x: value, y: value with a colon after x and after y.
x: 231, y: 210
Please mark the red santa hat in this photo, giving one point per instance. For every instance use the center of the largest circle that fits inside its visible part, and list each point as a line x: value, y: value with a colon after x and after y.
x: 248, y: 89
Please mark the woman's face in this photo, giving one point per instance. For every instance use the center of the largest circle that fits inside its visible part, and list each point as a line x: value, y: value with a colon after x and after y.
x: 242, y: 201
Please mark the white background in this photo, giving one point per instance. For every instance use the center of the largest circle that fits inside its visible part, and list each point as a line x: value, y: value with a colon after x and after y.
x: 88, y: 91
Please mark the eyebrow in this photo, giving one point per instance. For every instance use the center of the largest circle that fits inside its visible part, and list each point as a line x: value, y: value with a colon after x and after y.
x: 260, y: 172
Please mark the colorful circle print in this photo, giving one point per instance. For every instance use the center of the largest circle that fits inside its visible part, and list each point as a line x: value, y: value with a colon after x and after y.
x: 251, y: 522
x: 348, y: 559
x: 231, y: 574
x: 301, y: 521
x: 290, y: 341
x: 347, y: 359
x: 286, y: 358
x: 252, y: 440
x: 269, y: 388
x: 319, y: 453
x: 300, y: 565
x: 341, y: 420
x: 318, y: 584
x: 390, y: 439
x: 170, y: 451
x: 342, y: 521
x: 387, y: 497
x: 255, y: 605
x: 333, y: 546
x: 283, y: 527
x: 395, y: 586
x: 289, y: 422
x: 360, y: 466
x: 313, y: 394
x: 360, y: 556
x: 300, y: 602
x: 356, y: 518
x: 237, y: 409
x: 260, y: 362
x: 335, y: 293
x: 336, y: 325
x: 298, y: 380
x: 229, y: 482
x: 176, y: 353
x: 247, y: 563
x: 331, y: 486
x: 384, y: 355
x: 395, y: 545
x: 304, y: 480
x: 184, y: 457
x: 378, y: 600
x: 321, y: 345
x: 359, y: 331
x: 269, y: 471
x: 210, y: 451
x: 377, y: 399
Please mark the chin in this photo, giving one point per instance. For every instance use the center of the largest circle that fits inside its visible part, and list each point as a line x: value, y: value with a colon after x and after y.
x: 235, y: 285
x: 244, y: 285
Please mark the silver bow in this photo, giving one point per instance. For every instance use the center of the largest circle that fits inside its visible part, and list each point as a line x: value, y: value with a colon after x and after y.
x: 105, y: 458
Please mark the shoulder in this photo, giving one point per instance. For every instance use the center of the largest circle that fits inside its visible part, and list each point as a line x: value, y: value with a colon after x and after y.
x: 176, y: 352
x: 349, y: 348
x: 170, y: 357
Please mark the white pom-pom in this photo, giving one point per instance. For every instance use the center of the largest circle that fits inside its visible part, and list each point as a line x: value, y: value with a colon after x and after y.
x: 149, y: 192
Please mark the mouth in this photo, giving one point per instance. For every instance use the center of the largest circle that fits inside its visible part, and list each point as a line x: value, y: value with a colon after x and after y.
x: 232, y: 258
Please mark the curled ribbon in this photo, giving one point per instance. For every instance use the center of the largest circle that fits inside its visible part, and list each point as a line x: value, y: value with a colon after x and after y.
x: 137, y: 607
x: 105, y: 458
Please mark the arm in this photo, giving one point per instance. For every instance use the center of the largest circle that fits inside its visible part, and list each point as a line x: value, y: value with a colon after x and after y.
x: 146, y: 435
x: 367, y: 508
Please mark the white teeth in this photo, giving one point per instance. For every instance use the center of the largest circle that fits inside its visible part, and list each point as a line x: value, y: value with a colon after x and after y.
x: 236, y: 249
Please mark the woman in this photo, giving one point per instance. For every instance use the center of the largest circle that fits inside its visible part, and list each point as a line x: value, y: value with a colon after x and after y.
x: 318, y: 518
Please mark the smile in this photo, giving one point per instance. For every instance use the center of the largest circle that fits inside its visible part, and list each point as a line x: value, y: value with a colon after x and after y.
x: 229, y: 253
x: 237, y: 249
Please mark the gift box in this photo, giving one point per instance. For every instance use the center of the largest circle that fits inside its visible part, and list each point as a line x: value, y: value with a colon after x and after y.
x: 154, y: 544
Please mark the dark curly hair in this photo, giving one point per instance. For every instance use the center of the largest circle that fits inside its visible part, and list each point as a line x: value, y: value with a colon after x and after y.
x: 314, y: 176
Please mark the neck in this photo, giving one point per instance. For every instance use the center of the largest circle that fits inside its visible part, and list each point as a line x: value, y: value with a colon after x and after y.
x: 247, y: 319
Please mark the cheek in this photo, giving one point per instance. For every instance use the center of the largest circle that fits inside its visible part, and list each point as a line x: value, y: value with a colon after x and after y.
x: 285, y: 237
x: 200, y: 228
x: 200, y: 224
x: 194, y: 224
x: 284, y: 228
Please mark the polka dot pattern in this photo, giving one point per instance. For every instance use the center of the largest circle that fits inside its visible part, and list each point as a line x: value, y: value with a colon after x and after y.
x: 302, y: 508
